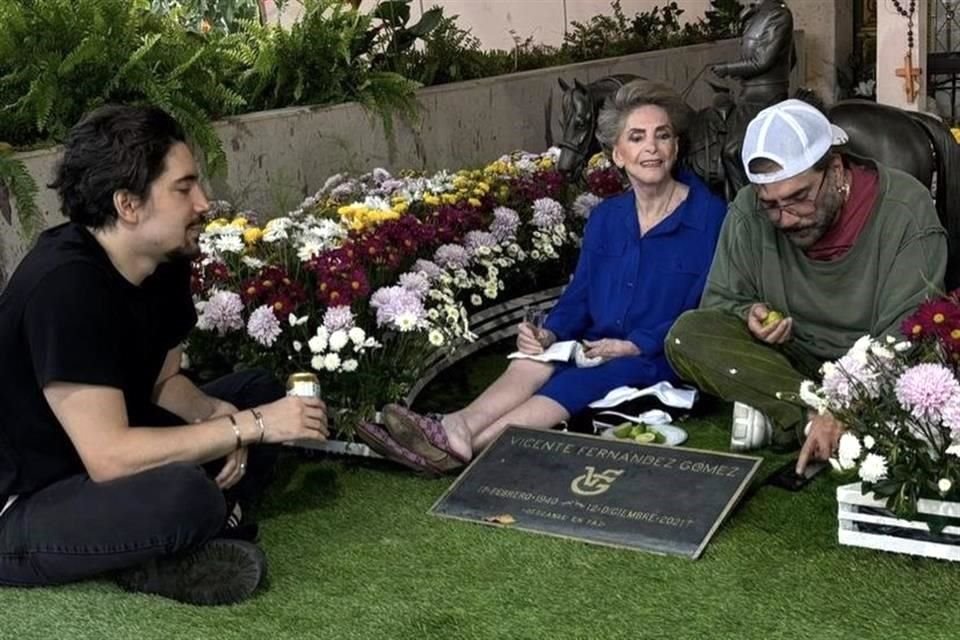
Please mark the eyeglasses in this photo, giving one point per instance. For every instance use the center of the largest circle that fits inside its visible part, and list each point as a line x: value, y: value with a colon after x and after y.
x: 801, y: 208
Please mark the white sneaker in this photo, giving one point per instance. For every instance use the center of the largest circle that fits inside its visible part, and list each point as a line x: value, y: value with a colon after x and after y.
x: 750, y: 430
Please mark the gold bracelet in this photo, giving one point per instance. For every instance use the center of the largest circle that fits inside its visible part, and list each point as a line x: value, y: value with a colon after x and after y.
x: 259, y: 418
x: 236, y: 431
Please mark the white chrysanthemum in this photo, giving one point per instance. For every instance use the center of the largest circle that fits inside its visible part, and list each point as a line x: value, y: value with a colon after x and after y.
x: 331, y: 362
x: 873, y: 468
x: 357, y: 335
x: 310, y: 249
x: 317, y: 344
x: 338, y: 340
x: 810, y: 397
x: 297, y: 346
x: 900, y: 347
x: 953, y: 449
x: 317, y: 363
x: 944, y: 485
x: 476, y: 300
x: 350, y: 365
x: 868, y: 442
x: 849, y: 450
x: 405, y: 322
x: 251, y: 262
x: 436, y: 338
x: 881, y: 351
x: 231, y: 243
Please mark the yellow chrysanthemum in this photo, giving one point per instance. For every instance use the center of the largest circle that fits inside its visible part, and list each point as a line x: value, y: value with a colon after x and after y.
x: 252, y: 235
x: 474, y: 202
x: 239, y: 222
x: 213, y: 226
x: 448, y: 198
x: 431, y: 199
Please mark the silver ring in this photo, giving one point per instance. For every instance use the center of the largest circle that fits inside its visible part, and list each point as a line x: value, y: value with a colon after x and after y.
x: 243, y: 466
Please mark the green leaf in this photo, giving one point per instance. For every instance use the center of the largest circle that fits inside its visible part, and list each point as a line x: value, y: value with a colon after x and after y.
x: 427, y: 23
x: 394, y: 12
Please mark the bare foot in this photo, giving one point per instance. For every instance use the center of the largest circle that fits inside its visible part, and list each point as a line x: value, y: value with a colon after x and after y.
x: 458, y: 435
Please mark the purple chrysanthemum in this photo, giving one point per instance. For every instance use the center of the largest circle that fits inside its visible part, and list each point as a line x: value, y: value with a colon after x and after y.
x: 585, y: 203
x: 263, y: 326
x: 951, y: 416
x: 398, y: 308
x: 474, y: 240
x: 505, y: 224
x: 221, y: 313
x: 339, y: 317
x: 925, y: 390
x: 547, y: 213
x: 415, y: 281
x: 451, y: 256
x: 427, y: 267
x: 847, y: 379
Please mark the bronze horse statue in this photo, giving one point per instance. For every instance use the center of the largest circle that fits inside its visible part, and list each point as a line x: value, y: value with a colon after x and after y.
x: 910, y: 141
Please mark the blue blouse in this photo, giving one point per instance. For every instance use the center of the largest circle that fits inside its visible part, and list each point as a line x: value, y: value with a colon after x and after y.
x: 633, y: 287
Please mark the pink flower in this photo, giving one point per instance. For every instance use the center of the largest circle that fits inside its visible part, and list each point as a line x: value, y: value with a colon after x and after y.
x: 263, y: 326
x: 925, y: 390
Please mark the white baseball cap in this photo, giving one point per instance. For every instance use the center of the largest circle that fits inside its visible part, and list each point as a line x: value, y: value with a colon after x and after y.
x: 791, y: 133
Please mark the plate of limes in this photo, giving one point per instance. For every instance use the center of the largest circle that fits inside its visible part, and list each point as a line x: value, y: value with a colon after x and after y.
x: 646, y: 433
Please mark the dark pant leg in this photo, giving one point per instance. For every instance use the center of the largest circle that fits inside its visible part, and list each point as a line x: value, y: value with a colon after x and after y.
x: 246, y: 389
x: 77, y: 528
x: 715, y: 351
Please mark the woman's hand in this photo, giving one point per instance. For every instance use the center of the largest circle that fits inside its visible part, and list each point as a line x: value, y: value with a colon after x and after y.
x: 294, y: 418
x: 532, y: 341
x: 609, y: 348
x: 234, y: 467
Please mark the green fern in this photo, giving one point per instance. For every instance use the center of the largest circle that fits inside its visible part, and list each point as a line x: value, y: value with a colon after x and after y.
x: 21, y: 185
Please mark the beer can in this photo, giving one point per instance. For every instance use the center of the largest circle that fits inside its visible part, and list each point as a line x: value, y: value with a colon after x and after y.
x: 304, y: 384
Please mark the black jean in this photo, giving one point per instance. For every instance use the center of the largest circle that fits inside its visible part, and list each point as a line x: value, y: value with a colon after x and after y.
x: 77, y: 528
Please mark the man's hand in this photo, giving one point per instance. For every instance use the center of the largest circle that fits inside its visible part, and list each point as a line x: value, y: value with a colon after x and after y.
x: 609, y: 348
x: 822, y: 440
x: 233, y: 469
x: 293, y: 418
x: 532, y: 341
x: 777, y: 332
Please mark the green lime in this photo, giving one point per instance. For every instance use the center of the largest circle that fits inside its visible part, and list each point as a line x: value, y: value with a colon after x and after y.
x: 623, y: 430
x: 659, y: 438
x: 645, y: 438
x: 772, y: 317
x: 637, y: 430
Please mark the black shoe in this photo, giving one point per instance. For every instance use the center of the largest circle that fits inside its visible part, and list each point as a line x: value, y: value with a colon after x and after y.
x: 240, y: 526
x: 219, y: 572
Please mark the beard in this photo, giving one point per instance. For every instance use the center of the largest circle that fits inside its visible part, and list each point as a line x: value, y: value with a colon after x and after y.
x: 190, y: 249
x: 806, y: 235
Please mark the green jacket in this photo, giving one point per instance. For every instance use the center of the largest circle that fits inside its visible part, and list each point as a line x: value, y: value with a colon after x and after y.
x: 899, y: 259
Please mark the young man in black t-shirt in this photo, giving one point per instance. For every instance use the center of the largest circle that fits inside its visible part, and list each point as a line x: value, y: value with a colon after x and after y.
x: 102, y: 438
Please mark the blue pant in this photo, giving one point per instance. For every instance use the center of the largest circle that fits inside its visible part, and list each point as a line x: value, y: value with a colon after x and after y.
x: 76, y: 528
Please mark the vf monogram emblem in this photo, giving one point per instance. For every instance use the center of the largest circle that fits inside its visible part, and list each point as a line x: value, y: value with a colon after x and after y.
x: 592, y: 483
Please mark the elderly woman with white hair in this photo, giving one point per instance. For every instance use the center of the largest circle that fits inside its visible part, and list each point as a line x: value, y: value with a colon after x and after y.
x: 644, y: 261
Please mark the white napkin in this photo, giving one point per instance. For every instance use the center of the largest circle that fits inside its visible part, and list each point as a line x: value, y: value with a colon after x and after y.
x: 557, y: 352
x: 664, y: 391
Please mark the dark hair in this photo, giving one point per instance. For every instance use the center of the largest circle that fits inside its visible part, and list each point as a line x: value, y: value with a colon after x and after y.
x: 114, y: 147
x: 633, y: 95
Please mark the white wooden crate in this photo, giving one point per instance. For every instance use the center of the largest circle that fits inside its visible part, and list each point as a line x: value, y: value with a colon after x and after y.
x: 855, y: 520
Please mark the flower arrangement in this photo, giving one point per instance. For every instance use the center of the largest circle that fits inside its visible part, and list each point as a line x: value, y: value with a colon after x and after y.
x: 900, y: 402
x: 372, y: 272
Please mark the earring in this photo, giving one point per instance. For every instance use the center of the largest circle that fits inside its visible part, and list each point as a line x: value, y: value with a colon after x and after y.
x: 844, y: 190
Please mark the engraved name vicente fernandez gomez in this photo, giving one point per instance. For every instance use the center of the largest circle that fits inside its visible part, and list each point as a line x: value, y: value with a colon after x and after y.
x: 664, y: 461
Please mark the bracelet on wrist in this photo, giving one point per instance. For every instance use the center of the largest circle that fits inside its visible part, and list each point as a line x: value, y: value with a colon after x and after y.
x: 236, y: 431
x: 259, y: 418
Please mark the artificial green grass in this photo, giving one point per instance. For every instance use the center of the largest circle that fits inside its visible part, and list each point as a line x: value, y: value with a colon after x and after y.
x: 354, y: 555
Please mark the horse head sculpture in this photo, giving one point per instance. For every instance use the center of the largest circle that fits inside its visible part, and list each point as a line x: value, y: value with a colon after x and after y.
x: 578, y: 120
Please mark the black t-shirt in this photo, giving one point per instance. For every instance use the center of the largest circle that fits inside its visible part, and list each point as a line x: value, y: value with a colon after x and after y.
x: 68, y: 315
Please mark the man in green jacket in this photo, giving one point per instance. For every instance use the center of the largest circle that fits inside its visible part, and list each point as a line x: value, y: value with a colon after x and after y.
x: 820, y: 249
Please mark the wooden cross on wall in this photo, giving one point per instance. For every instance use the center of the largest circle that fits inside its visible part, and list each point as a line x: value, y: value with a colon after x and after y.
x: 911, y: 78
